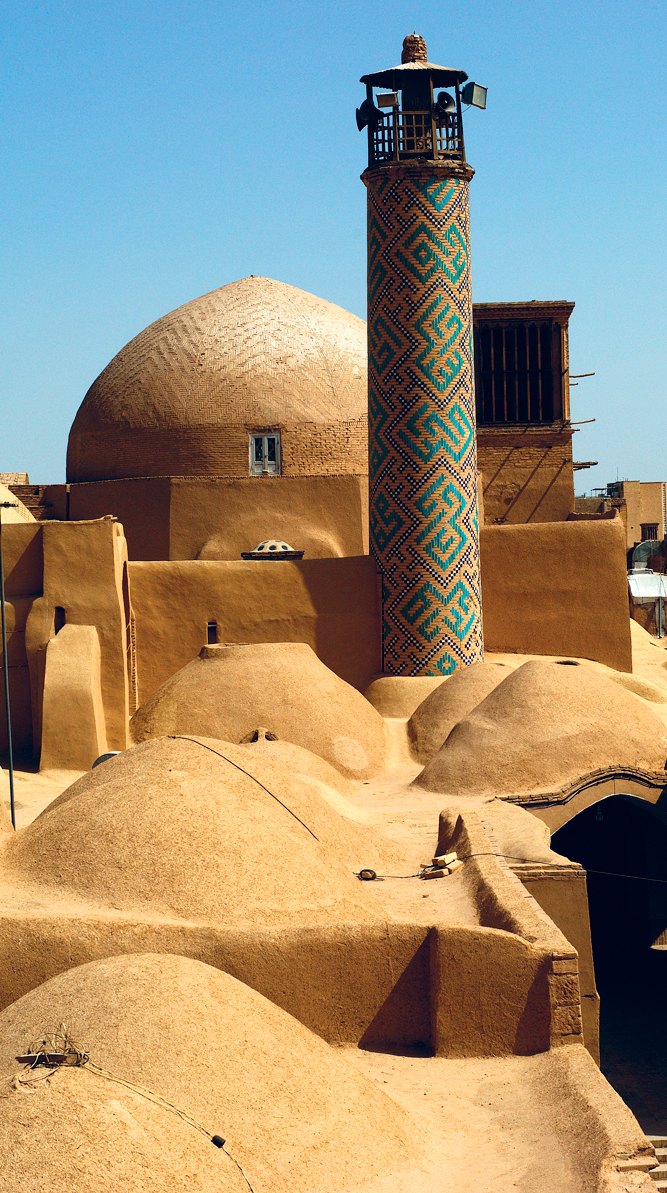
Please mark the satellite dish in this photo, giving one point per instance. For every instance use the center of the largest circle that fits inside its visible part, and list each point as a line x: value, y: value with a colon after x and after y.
x: 445, y: 102
x: 368, y: 114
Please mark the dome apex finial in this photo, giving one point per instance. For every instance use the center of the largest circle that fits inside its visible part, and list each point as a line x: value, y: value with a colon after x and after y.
x: 414, y: 49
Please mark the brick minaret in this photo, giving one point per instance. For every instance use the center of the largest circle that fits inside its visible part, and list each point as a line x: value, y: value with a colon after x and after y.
x: 421, y: 409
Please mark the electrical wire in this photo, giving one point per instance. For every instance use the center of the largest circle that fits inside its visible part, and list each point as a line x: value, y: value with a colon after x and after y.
x: 540, y: 862
x: 507, y: 856
x: 164, y: 1104
x: 367, y: 870
x: 181, y: 737
x: 64, y: 1043
x: 148, y: 1094
x: 528, y: 861
x: 637, y: 877
x: 17, y: 1080
x: 400, y: 875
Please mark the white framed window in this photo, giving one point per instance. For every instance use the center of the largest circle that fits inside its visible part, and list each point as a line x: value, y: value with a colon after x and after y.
x: 265, y: 453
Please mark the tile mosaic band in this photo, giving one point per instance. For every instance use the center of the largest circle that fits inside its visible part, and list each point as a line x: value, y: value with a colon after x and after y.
x: 422, y: 435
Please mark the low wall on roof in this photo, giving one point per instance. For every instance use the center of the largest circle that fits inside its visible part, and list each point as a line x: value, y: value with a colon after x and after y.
x: 553, y: 589
x: 56, y: 574
x: 557, y: 588
x: 329, y: 603
x: 506, y: 984
x: 526, y: 475
x: 218, y: 517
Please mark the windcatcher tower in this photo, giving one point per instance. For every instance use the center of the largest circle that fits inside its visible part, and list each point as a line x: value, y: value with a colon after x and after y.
x: 421, y: 406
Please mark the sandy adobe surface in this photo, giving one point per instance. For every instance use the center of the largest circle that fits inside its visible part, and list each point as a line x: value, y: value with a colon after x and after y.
x: 648, y: 681
x: 166, y: 1034
x: 497, y: 1125
x: 517, y: 1124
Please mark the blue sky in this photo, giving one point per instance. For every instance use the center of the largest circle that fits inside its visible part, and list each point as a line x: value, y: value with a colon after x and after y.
x: 154, y: 151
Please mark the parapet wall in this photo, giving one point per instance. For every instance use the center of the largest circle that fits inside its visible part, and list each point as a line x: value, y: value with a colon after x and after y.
x: 218, y: 517
x: 56, y: 574
x: 329, y: 603
x: 543, y: 974
x: 559, y: 588
x: 506, y: 985
x: 552, y: 589
x: 527, y: 474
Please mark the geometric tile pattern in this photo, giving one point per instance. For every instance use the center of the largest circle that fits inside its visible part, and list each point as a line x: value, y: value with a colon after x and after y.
x: 422, y: 439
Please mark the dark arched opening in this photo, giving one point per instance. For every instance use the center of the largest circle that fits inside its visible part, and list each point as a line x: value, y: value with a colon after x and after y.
x: 621, y: 842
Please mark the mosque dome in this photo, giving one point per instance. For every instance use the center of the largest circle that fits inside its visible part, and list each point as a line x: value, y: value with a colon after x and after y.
x: 256, y: 358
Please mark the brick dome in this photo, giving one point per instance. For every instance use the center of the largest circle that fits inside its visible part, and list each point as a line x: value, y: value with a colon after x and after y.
x: 184, y: 396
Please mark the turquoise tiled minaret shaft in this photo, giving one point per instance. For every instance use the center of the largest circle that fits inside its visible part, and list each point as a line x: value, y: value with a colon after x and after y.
x: 422, y: 455
x: 422, y: 435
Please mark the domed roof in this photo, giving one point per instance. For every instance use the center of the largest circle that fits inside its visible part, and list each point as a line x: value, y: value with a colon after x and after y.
x: 197, y: 815
x: 544, y: 726
x: 432, y: 722
x: 255, y: 354
x: 179, y: 1049
x: 224, y: 694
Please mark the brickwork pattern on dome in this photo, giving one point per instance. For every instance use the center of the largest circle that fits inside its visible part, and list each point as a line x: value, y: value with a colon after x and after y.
x: 307, y: 449
x: 256, y: 354
x: 422, y: 449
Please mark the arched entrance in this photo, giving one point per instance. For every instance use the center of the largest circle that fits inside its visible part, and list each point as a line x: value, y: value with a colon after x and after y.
x: 621, y: 841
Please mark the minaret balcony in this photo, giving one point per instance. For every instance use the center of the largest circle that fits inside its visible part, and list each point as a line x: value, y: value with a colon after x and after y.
x: 400, y: 134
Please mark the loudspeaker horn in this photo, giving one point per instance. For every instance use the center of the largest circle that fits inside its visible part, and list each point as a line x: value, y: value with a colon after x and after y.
x: 368, y: 114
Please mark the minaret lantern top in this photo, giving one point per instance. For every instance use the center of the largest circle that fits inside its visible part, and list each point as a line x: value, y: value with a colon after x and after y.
x: 416, y: 123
